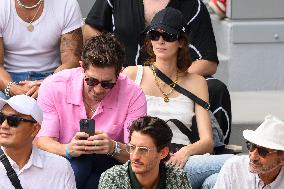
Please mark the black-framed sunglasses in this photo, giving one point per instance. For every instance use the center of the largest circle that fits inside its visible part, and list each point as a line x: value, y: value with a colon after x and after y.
x: 94, y: 82
x: 155, y: 36
x: 13, y: 120
x: 262, y: 151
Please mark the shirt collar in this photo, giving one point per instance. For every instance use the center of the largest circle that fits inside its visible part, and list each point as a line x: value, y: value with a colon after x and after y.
x: 34, y: 160
x: 135, y: 183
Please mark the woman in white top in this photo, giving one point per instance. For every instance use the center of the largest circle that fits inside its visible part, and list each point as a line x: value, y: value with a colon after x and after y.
x: 168, y: 46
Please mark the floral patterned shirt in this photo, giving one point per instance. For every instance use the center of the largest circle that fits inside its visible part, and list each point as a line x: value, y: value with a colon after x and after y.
x: 118, y: 177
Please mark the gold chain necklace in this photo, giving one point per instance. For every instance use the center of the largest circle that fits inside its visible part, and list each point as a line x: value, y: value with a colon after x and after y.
x: 172, y: 85
x: 30, y: 26
x: 28, y: 7
x: 92, y: 110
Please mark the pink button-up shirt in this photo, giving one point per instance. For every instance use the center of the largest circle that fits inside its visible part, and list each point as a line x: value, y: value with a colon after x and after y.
x: 61, y: 99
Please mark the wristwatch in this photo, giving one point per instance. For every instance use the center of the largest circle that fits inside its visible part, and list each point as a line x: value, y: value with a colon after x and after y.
x: 117, y: 149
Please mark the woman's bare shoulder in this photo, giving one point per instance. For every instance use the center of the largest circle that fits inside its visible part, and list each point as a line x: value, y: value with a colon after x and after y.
x: 195, y: 84
x: 130, y: 71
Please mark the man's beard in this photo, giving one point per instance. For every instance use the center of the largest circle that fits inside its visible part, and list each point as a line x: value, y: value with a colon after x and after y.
x: 263, y: 169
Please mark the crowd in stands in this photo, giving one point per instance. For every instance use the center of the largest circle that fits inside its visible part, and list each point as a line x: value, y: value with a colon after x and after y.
x: 125, y: 100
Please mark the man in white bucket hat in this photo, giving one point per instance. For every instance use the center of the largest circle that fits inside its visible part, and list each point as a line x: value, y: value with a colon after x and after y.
x: 22, y: 165
x: 263, y: 166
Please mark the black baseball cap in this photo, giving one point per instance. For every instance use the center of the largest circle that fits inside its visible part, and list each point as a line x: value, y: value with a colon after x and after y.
x: 170, y: 20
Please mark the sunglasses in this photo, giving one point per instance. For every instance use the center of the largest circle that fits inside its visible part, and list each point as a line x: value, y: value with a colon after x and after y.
x: 142, y: 150
x: 14, y: 120
x: 263, y: 152
x: 94, y: 82
x: 155, y: 36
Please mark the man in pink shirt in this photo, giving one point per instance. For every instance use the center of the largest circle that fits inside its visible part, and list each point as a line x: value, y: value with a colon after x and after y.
x: 95, y: 91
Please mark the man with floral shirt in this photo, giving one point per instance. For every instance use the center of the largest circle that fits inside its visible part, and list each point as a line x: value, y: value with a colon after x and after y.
x: 148, y: 147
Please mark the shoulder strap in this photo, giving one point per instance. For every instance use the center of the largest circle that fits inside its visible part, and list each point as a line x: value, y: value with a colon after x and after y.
x: 10, y: 171
x: 139, y: 74
x: 191, y: 135
x: 180, y: 89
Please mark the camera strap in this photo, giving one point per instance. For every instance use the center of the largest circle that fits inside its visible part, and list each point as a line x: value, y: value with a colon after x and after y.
x: 10, y: 171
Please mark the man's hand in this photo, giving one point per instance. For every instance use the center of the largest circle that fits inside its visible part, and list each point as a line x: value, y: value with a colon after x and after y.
x: 179, y: 158
x: 100, y: 143
x: 18, y: 89
x: 78, y: 147
x: 34, y: 86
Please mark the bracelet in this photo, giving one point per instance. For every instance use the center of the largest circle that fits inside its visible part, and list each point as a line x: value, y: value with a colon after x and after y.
x: 67, y: 153
x: 7, y: 89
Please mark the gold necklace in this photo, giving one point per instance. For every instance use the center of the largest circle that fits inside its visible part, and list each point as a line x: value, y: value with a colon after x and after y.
x: 172, y: 85
x: 92, y: 110
x: 28, y: 7
x: 30, y: 26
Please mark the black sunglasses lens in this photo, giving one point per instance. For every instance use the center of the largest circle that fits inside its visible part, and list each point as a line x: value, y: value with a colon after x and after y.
x: 260, y: 150
x: 2, y: 118
x: 107, y: 85
x: 154, y: 35
x: 168, y: 37
x: 13, y: 121
x: 92, y: 81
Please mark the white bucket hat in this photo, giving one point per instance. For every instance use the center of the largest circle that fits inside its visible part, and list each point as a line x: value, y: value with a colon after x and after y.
x: 270, y: 134
x: 25, y: 105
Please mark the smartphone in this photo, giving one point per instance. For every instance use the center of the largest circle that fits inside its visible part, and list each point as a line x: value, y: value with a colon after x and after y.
x: 87, y: 126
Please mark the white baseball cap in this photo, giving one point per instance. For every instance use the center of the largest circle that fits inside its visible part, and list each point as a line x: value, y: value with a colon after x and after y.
x: 270, y: 134
x: 25, y: 105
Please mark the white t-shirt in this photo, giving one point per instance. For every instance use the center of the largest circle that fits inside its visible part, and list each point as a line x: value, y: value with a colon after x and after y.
x: 38, y: 50
x: 43, y: 170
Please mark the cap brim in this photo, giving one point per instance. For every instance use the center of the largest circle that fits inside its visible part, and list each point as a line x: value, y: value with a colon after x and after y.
x: 165, y: 28
x: 2, y: 103
x: 253, y: 137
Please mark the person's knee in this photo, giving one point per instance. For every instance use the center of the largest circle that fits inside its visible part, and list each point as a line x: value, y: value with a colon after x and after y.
x: 210, y: 181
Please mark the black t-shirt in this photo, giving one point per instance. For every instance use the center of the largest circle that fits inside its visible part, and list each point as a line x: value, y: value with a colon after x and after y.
x: 126, y: 19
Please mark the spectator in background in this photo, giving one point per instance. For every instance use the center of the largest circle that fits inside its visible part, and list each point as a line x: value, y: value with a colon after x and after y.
x: 20, y: 120
x: 264, y: 166
x: 149, y: 148
x: 37, y: 38
x: 129, y: 18
x: 95, y: 91
x: 219, y: 7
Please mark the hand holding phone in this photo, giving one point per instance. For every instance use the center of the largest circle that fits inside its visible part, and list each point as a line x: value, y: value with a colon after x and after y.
x: 87, y: 126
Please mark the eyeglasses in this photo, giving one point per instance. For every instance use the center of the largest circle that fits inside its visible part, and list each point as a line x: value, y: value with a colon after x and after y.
x: 13, y: 120
x: 94, y: 82
x: 142, y: 150
x: 155, y: 36
x: 263, y: 152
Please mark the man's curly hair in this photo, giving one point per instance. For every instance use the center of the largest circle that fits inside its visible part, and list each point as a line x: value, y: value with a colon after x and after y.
x: 103, y: 51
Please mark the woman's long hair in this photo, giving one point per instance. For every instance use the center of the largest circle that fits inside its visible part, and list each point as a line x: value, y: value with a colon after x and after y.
x: 183, y: 57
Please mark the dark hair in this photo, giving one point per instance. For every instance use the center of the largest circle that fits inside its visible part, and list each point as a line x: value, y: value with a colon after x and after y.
x: 103, y: 51
x: 156, y: 128
x: 183, y: 58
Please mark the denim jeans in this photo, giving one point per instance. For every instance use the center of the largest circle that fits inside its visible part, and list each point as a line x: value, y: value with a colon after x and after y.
x: 88, y: 169
x: 30, y: 76
x: 202, y: 169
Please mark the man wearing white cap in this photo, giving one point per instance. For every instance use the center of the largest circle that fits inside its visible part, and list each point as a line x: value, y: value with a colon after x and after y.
x: 263, y: 167
x: 26, y: 165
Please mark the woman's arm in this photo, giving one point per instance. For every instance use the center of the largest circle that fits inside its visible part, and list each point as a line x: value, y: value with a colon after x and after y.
x: 205, y: 143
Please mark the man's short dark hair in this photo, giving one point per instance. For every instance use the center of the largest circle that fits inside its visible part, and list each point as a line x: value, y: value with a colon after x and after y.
x: 103, y: 51
x: 156, y: 128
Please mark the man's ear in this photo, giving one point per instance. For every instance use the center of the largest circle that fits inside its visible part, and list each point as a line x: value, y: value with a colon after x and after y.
x: 81, y: 63
x: 164, y: 152
x: 35, y: 129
